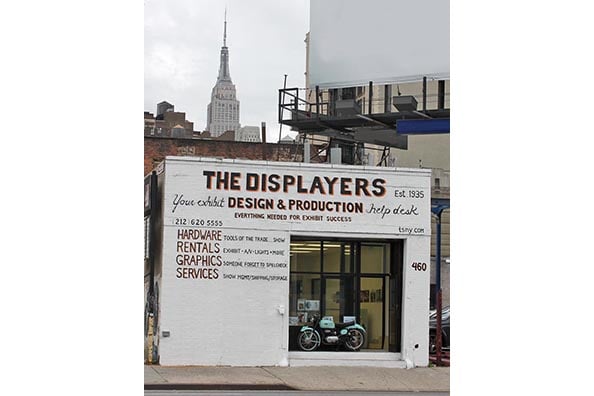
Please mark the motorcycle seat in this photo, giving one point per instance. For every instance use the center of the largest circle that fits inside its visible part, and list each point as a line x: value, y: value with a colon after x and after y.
x: 344, y: 324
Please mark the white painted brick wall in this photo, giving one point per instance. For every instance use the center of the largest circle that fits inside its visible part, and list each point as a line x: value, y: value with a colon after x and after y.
x: 238, y: 323
x: 415, y: 302
x: 225, y: 321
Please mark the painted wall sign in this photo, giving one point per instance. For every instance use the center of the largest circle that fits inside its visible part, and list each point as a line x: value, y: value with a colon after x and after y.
x: 300, y: 198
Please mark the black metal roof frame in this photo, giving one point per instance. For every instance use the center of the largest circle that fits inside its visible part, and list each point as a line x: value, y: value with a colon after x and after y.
x: 376, y: 128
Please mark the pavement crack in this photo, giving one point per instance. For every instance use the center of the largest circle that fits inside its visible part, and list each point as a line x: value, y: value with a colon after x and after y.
x: 159, y: 374
x: 274, y: 375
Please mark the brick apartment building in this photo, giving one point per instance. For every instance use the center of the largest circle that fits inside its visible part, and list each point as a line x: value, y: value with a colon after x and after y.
x: 167, y: 123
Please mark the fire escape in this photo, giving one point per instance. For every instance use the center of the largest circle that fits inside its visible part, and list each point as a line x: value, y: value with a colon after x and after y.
x: 351, y: 118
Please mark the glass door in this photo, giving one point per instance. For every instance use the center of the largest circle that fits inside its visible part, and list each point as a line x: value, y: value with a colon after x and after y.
x: 373, y: 311
x: 374, y: 260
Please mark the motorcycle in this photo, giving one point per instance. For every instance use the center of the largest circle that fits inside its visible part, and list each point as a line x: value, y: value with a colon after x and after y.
x: 325, y: 331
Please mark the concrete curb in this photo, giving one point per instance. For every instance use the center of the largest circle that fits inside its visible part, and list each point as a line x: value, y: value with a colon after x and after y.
x: 320, y: 378
x: 261, y: 387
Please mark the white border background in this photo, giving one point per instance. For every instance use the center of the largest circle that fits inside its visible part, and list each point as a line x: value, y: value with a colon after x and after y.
x: 69, y: 282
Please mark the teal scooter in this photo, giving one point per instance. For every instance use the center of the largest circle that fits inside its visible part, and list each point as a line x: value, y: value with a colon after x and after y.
x: 325, y: 332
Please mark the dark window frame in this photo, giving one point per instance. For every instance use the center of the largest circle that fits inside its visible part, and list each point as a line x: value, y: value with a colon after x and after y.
x: 391, y: 276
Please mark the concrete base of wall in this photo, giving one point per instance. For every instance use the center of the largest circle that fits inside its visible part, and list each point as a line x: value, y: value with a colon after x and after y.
x: 372, y: 359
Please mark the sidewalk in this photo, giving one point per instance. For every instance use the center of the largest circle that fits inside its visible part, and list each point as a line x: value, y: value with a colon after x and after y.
x: 329, y: 378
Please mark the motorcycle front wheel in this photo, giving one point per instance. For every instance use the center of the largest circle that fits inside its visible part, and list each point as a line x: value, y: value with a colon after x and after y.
x: 309, y: 340
x: 355, y: 339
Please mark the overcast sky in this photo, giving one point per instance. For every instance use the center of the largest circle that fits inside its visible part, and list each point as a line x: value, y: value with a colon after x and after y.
x: 182, y: 45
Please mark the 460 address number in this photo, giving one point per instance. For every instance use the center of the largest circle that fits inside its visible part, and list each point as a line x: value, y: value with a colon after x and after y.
x: 419, y: 266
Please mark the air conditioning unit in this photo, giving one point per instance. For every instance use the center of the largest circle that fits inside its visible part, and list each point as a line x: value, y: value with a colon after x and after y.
x: 405, y: 103
x: 347, y: 108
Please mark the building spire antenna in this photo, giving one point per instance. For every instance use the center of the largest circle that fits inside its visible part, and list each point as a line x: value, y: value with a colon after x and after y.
x: 225, y: 30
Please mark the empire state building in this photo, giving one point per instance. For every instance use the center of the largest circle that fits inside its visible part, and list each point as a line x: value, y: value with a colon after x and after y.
x: 223, y: 109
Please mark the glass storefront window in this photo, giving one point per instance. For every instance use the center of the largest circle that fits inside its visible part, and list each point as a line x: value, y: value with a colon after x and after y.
x: 332, y: 299
x: 341, y: 278
x: 332, y: 256
x: 374, y: 258
x: 348, y: 258
x: 305, y: 297
x: 305, y: 256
